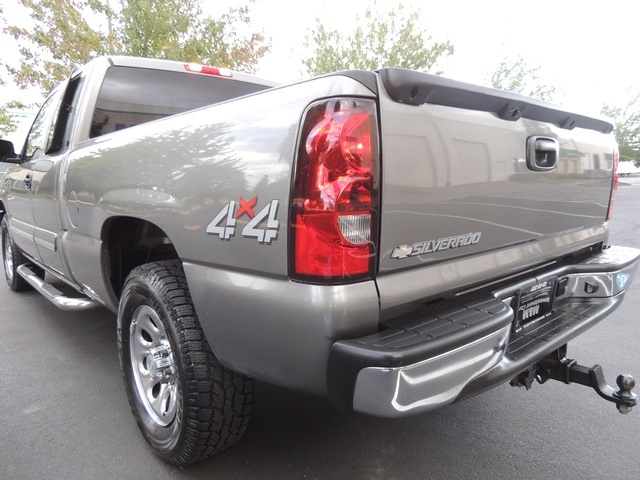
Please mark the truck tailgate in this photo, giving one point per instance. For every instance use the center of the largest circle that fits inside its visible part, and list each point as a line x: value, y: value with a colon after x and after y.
x: 459, y: 181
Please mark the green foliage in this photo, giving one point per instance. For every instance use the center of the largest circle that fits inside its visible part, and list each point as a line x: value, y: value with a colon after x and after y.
x: 6, y: 126
x: 517, y: 77
x: 382, y: 39
x: 59, y: 39
x: 62, y: 37
x: 178, y: 30
x: 627, y: 121
x: 155, y: 29
x: 8, y: 123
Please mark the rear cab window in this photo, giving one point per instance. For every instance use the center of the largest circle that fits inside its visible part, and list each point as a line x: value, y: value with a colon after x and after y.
x: 131, y: 96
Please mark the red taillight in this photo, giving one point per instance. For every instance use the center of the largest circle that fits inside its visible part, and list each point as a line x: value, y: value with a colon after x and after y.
x: 614, y: 185
x: 207, y: 70
x: 335, y: 191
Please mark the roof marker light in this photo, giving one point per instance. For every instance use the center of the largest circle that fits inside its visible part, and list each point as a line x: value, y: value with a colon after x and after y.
x: 207, y: 70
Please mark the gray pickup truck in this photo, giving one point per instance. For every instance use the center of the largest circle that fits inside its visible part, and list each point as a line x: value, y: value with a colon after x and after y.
x: 391, y: 240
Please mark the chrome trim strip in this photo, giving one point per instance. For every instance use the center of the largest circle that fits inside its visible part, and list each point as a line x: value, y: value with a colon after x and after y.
x: 45, y: 238
x: 21, y: 229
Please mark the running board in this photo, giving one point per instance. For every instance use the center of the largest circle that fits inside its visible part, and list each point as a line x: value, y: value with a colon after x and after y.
x: 54, y: 295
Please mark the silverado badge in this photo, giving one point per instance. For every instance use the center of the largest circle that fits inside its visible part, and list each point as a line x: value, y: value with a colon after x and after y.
x: 431, y: 246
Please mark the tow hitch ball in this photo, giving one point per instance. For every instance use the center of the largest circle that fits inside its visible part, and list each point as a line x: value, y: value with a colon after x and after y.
x: 568, y: 371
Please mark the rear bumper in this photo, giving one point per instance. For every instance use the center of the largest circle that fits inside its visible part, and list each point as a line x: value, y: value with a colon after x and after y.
x: 457, y: 349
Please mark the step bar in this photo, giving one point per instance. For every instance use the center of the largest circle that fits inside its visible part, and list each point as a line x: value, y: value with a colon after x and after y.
x: 55, y: 296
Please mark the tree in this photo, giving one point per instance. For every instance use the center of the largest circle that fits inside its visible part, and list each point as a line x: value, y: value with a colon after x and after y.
x: 57, y: 42
x: 8, y: 123
x: 386, y: 39
x: 170, y: 29
x: 517, y: 77
x: 627, y: 127
x: 178, y: 30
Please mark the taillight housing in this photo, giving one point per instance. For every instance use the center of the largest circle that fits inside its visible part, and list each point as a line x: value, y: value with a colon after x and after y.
x: 334, y: 209
x: 614, y: 182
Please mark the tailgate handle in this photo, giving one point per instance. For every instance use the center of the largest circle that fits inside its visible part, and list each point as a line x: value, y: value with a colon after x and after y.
x: 542, y: 153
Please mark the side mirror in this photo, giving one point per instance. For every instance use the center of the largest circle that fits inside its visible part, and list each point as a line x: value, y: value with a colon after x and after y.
x: 7, y: 152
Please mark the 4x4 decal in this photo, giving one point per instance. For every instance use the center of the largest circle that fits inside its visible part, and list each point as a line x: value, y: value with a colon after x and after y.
x: 262, y: 226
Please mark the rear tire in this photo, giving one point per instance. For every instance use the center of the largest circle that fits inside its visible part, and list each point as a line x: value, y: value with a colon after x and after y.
x: 185, y: 403
x: 12, y: 258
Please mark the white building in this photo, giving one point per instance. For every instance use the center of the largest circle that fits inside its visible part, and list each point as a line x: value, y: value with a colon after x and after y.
x: 628, y: 169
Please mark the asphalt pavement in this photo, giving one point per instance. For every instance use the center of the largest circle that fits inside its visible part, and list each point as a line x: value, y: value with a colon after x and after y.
x: 64, y: 413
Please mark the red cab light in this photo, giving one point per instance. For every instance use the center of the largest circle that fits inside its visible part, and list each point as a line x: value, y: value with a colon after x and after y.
x: 334, y: 209
x: 207, y: 70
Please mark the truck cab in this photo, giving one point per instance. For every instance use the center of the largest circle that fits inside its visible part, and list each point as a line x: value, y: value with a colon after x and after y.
x: 105, y: 96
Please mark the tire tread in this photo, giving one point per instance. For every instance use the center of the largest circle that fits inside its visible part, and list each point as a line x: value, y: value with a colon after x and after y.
x: 217, y: 401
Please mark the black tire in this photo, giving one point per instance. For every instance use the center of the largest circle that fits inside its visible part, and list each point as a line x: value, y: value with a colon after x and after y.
x: 185, y: 403
x: 12, y: 258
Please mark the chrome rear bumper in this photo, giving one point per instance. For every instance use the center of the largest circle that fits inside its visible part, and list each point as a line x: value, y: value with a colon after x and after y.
x: 455, y: 349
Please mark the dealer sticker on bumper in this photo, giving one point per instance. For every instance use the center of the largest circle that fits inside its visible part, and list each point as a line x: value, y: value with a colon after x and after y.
x: 534, y: 302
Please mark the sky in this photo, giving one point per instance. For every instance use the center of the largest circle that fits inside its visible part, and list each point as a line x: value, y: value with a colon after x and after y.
x: 587, y: 49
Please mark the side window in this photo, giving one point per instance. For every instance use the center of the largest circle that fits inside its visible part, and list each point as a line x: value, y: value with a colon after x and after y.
x: 41, y: 133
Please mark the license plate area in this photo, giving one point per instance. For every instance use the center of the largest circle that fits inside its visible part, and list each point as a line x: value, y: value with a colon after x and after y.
x: 533, y: 303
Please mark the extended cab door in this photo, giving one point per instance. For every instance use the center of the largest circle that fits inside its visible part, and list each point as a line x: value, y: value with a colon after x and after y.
x: 20, y: 179
x: 46, y: 178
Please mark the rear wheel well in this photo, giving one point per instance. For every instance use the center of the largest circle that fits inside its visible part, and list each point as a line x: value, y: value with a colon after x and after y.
x: 131, y: 242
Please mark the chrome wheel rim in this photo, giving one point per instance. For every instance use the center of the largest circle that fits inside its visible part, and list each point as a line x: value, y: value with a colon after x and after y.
x: 8, y: 256
x: 153, y: 365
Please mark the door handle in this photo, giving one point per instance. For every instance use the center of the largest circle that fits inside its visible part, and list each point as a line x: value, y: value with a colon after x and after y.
x: 542, y: 153
x: 27, y: 180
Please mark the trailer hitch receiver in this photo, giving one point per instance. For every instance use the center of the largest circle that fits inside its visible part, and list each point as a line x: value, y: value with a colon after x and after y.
x: 568, y: 371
